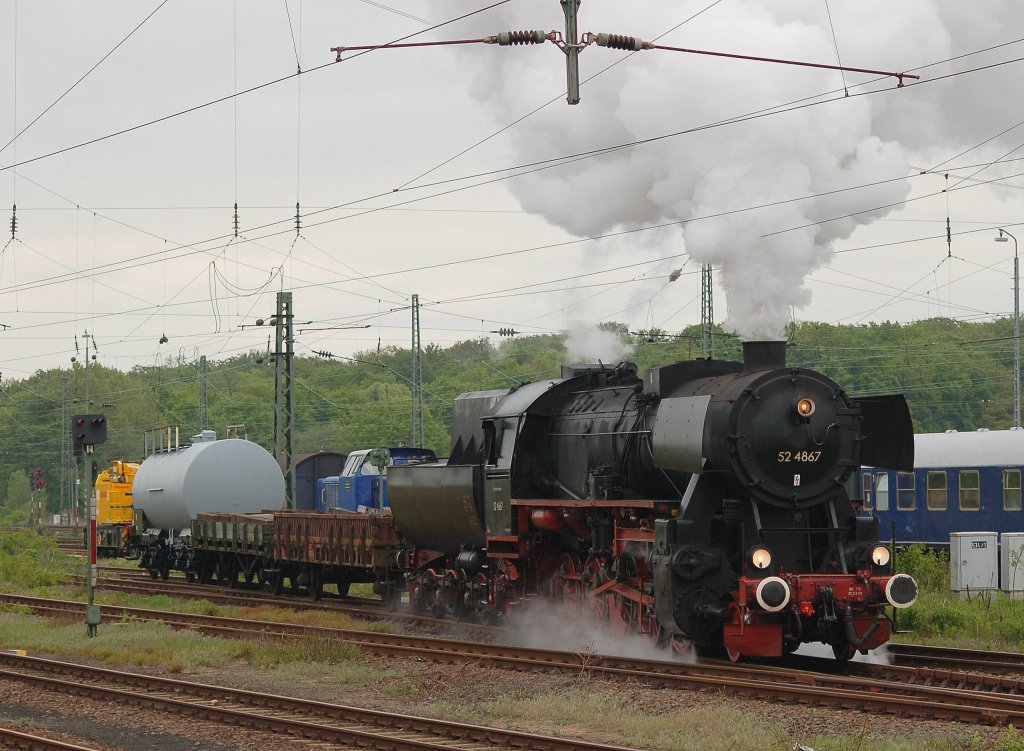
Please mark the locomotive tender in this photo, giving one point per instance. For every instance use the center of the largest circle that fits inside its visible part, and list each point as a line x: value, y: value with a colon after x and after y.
x: 702, y: 502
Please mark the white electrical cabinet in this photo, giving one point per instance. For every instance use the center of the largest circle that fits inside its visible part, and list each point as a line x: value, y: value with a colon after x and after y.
x: 973, y: 562
x: 1011, y: 563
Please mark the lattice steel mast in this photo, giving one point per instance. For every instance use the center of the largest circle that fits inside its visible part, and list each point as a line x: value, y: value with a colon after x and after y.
x: 417, y: 377
x: 284, y: 346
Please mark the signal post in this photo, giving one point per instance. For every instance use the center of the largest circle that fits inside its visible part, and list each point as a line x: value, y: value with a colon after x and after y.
x: 87, y: 431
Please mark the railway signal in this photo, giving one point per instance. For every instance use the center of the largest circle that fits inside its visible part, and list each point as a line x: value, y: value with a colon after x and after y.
x: 87, y: 431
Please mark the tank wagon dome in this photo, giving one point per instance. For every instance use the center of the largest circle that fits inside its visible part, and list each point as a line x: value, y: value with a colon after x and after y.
x: 232, y: 475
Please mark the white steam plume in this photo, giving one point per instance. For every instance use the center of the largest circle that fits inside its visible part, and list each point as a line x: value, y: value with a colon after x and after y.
x: 586, y: 344
x: 808, y: 151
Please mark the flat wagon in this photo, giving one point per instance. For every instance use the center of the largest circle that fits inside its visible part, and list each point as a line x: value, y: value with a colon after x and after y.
x: 297, y: 549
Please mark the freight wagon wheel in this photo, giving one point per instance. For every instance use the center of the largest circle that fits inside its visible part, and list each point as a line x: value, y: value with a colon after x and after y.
x: 343, y: 588
x: 316, y: 585
x: 153, y: 573
x: 277, y: 583
x: 205, y: 574
x: 227, y: 576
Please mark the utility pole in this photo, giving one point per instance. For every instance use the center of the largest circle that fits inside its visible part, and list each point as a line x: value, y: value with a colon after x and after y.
x: 707, y: 314
x: 1016, y: 326
x: 572, y: 51
x: 283, y: 414
x: 417, y: 377
x: 67, y: 462
x: 202, y: 394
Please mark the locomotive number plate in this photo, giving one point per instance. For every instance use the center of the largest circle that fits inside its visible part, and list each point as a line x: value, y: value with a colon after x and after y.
x: 785, y: 457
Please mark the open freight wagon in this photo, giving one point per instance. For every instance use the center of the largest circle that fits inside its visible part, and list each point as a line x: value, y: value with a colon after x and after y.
x: 298, y: 549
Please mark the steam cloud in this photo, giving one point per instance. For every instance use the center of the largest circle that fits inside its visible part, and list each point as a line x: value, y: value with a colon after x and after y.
x: 587, y: 344
x: 807, y: 151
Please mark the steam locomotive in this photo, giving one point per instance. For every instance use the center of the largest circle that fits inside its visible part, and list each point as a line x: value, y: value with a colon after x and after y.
x: 701, y: 503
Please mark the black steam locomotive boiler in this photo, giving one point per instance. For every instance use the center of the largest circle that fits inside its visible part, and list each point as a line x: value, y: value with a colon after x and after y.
x: 701, y: 503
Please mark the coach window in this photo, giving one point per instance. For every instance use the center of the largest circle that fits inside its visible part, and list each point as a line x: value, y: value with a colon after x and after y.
x: 1011, y: 490
x: 936, y: 491
x: 866, y: 484
x: 906, y: 499
x: 970, y: 493
x: 882, y: 491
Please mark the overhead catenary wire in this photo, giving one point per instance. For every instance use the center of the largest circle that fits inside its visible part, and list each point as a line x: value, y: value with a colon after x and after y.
x: 634, y: 143
x: 219, y: 100
x: 548, y: 103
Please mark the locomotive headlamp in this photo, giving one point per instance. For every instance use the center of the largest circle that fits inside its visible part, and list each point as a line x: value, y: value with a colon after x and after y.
x: 880, y: 555
x: 805, y: 407
x: 761, y: 558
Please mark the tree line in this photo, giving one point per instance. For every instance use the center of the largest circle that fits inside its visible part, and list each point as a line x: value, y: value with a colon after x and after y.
x: 955, y: 375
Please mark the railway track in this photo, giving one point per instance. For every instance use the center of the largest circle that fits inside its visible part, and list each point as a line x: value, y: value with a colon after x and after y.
x: 894, y: 690
x: 303, y: 720
x: 935, y: 666
x: 1004, y: 663
x: 15, y: 739
x: 354, y: 606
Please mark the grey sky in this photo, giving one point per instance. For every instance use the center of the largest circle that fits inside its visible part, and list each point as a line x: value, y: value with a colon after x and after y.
x: 132, y: 236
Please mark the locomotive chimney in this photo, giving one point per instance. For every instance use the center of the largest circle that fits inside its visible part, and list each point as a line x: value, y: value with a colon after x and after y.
x: 764, y: 355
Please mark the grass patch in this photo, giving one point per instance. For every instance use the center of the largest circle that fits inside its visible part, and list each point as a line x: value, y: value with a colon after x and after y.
x: 162, y: 602
x: 29, y: 560
x: 152, y: 645
x: 362, y: 590
x: 673, y: 731
x: 864, y: 742
x: 987, y: 620
x: 930, y: 568
x: 709, y: 728
x: 157, y: 645
x: 311, y: 649
x: 993, y: 622
x: 270, y: 613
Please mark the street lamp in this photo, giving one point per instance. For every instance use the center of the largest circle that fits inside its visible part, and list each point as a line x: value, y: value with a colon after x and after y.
x: 1016, y: 326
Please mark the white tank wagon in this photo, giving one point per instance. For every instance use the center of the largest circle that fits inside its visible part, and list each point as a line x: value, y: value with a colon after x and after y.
x: 231, y: 475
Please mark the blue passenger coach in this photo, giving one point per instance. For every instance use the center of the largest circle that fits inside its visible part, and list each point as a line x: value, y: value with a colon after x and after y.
x: 363, y: 483
x: 962, y: 482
